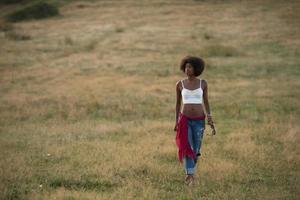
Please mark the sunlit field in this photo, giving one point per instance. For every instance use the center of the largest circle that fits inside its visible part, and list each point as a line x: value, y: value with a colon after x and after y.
x: 87, y: 100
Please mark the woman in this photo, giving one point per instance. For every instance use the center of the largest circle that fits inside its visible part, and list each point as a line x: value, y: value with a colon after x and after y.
x: 190, y: 122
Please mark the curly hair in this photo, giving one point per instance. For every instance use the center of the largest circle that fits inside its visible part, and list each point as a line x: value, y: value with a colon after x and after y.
x: 197, y: 63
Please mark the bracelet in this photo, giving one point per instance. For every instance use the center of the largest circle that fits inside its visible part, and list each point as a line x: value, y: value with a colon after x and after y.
x: 208, y: 115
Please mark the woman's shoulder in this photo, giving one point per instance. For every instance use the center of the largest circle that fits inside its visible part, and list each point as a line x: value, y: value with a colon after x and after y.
x: 179, y: 84
x: 203, y: 80
x: 204, y: 83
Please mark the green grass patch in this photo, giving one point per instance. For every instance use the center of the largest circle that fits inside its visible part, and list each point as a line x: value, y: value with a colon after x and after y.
x: 37, y: 10
x: 11, y: 1
x: 219, y: 50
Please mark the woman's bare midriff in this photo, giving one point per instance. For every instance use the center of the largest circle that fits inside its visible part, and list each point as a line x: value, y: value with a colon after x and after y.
x: 193, y: 110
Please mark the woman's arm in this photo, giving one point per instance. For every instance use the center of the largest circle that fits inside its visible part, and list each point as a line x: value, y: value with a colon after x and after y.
x: 178, y: 103
x: 206, y: 103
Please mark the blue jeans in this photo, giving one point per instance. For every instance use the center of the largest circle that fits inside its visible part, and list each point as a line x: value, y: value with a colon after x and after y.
x: 195, y: 135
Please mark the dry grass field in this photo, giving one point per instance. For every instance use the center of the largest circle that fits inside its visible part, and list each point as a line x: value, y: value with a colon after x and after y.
x: 87, y: 100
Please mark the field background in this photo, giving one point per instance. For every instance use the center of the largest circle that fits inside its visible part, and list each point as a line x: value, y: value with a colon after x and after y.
x: 87, y: 100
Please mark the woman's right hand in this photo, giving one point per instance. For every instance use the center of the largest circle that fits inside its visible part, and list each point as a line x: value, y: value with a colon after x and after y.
x: 176, y: 126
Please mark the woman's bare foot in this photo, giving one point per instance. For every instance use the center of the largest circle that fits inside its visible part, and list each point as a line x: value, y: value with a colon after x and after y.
x: 189, y: 180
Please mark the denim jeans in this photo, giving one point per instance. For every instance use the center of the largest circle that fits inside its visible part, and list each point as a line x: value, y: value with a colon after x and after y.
x: 195, y: 135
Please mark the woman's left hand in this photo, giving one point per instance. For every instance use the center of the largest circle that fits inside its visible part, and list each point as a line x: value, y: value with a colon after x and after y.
x: 210, y: 120
x: 211, y: 123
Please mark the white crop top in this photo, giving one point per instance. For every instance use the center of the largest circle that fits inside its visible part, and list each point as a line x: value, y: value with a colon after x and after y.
x: 192, y: 96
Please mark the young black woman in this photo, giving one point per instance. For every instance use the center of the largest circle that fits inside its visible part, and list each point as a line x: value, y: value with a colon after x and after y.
x: 190, y: 121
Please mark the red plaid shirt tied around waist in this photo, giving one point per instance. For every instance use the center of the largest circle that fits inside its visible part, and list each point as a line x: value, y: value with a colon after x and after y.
x: 182, y: 142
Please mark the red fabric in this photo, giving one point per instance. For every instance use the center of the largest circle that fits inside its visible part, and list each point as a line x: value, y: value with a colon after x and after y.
x: 182, y: 142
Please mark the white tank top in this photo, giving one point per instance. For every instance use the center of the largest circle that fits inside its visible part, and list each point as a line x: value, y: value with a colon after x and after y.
x: 192, y: 96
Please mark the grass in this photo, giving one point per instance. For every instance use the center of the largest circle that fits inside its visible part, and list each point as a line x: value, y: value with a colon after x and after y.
x: 36, y: 10
x: 88, y: 100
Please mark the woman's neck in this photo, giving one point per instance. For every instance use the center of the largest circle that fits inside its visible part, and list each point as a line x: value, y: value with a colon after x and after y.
x: 191, y: 78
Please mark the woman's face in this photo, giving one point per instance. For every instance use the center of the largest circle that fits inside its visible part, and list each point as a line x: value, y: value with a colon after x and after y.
x: 189, y: 69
